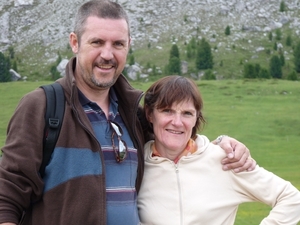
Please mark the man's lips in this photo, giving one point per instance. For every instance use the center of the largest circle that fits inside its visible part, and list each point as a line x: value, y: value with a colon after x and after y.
x: 106, y: 66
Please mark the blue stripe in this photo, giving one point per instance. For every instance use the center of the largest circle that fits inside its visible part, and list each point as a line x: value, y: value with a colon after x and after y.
x: 69, y: 163
x: 110, y: 155
x: 126, y: 195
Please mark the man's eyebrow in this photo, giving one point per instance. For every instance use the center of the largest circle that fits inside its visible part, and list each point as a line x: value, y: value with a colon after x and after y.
x: 95, y: 39
x: 121, y: 40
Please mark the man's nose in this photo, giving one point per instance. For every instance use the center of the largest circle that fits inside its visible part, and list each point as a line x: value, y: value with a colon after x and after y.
x: 107, y: 52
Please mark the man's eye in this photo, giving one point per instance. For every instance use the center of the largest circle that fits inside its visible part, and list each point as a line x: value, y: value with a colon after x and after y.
x: 96, y: 43
x: 119, y: 44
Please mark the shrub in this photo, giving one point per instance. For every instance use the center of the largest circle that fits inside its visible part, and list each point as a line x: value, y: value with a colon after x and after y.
x: 209, y: 75
x: 292, y: 75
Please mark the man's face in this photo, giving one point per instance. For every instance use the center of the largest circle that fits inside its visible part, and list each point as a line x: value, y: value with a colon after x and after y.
x: 101, y: 51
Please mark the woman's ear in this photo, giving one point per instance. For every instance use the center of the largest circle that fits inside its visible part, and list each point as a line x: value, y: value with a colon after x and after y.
x: 149, y: 118
x: 148, y: 114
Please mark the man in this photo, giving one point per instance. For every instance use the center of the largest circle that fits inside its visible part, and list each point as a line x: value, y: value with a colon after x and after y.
x: 97, y: 165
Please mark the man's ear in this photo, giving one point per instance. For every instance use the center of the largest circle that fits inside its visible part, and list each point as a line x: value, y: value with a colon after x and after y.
x: 73, y: 40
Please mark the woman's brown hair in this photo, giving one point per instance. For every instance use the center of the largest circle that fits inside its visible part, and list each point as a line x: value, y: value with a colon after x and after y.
x: 174, y: 89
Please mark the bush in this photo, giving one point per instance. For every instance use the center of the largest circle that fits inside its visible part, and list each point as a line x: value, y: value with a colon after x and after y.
x: 292, y: 75
x: 209, y: 75
x: 264, y: 74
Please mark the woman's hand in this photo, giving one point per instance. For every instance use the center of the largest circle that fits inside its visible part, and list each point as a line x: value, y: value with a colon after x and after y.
x: 238, y: 156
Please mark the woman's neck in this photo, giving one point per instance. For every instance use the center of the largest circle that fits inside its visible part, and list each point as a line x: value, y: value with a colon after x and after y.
x: 190, y: 148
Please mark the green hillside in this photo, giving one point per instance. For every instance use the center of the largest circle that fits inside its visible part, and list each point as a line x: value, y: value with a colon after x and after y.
x: 263, y: 114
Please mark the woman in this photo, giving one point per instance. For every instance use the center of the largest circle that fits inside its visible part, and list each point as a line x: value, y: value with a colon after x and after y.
x: 183, y: 180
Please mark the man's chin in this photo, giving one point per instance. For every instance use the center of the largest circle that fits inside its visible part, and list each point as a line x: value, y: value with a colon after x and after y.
x: 103, y: 84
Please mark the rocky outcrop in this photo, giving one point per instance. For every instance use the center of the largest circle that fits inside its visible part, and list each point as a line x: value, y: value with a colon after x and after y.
x: 48, y: 22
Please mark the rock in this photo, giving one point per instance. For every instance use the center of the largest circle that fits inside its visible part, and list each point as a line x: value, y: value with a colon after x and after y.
x: 14, y: 75
x: 23, y: 2
x: 62, y: 66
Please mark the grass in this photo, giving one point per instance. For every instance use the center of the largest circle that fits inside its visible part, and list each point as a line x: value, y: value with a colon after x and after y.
x: 263, y: 114
x: 10, y: 95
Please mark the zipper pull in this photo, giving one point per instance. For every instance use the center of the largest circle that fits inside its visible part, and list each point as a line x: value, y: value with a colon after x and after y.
x: 176, y: 168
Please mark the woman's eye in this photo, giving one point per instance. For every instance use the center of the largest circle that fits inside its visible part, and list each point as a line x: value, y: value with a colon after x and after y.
x: 166, y: 110
x: 189, y: 114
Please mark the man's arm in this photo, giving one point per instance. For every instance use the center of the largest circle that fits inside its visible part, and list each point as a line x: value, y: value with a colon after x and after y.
x: 238, y: 155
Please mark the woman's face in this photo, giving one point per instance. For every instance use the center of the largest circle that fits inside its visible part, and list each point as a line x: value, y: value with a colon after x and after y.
x: 173, y: 126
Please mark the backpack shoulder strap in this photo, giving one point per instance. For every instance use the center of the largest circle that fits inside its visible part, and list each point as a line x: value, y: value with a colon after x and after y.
x: 55, y: 107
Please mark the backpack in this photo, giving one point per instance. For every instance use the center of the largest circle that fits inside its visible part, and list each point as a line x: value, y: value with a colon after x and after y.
x: 55, y: 108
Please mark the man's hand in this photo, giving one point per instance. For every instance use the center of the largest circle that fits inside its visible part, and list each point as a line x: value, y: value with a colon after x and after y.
x: 238, y: 155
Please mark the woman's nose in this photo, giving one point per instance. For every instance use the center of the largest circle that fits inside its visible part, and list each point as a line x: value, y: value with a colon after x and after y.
x: 176, y: 120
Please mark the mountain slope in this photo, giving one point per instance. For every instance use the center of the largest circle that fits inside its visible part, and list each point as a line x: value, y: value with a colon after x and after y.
x: 43, y: 25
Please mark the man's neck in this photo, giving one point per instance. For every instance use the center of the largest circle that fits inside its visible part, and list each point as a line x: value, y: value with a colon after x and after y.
x: 101, y: 97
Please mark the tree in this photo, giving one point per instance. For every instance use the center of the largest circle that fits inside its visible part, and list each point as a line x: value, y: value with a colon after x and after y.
x: 53, y: 69
x: 288, y: 41
x: 193, y: 43
x: 58, y: 60
x: 270, y: 36
x: 4, y: 68
x: 282, y: 59
x: 257, y: 69
x: 282, y: 6
x: 189, y: 51
x: 275, y: 46
x: 131, y: 51
x: 154, y: 70
x: 11, y: 52
x: 275, y: 67
x: 174, y: 66
x: 278, y: 34
x: 131, y: 60
x: 15, y: 67
x: 54, y: 72
x: 204, y: 57
x: 296, y: 54
x: 191, y: 48
x: 174, y: 51
x: 249, y: 71
x: 221, y: 63
x: 227, y: 30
